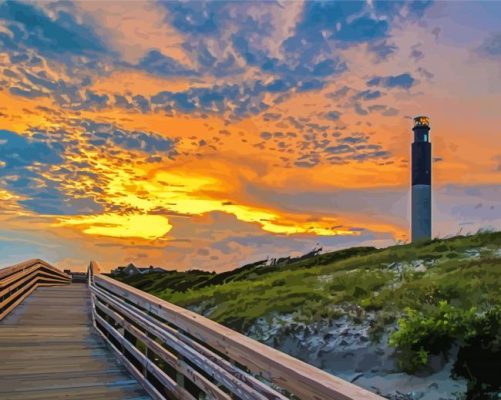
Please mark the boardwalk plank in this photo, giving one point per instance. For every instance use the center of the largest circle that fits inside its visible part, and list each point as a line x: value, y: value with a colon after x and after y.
x: 48, y: 350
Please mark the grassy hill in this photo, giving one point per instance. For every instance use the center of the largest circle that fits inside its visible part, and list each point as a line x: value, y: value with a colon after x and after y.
x: 429, y: 296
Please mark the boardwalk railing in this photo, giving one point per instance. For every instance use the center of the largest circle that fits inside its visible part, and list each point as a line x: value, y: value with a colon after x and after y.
x: 19, y: 281
x: 178, y: 354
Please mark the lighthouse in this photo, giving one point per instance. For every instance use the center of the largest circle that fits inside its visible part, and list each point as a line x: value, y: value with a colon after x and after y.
x: 421, y: 180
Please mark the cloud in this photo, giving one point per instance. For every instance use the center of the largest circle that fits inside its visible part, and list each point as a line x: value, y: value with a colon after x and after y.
x: 238, y: 41
x: 219, y: 39
x: 359, y: 109
x: 339, y: 149
x: 417, y: 8
x: 237, y: 100
x: 367, y: 95
x: 425, y: 73
x: 332, y: 115
x: 416, y: 54
x: 385, y: 110
x: 221, y: 61
x: 64, y: 171
x: 201, y: 18
x: 339, y: 93
x: 28, y: 93
x: 19, y: 151
x: 25, y: 160
x: 54, y: 36
x: 362, y: 29
x: 68, y: 92
x: 491, y: 46
x: 307, y: 59
x: 381, y: 49
x: 266, y: 135
x: 109, y: 136
x: 404, y: 81
x: 157, y: 63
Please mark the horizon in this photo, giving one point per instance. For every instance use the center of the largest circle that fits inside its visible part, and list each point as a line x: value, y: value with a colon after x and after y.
x: 212, y: 135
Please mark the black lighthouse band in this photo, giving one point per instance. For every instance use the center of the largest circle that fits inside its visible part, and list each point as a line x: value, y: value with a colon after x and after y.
x: 421, y: 180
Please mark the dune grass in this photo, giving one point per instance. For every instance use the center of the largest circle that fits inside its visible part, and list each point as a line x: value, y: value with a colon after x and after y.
x: 379, y: 280
x: 429, y: 296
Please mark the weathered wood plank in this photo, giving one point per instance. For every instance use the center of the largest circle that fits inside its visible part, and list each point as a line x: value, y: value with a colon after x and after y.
x: 88, y: 392
x: 49, y: 350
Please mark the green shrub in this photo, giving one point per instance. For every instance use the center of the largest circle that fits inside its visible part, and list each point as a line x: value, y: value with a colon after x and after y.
x: 421, y: 333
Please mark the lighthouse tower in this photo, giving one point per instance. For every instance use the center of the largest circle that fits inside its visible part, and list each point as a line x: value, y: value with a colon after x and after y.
x: 421, y: 180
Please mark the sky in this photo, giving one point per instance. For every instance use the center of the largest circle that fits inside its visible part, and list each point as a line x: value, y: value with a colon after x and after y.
x: 212, y: 134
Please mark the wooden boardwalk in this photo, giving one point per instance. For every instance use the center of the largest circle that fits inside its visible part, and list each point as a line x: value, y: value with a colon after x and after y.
x: 49, y: 350
x: 62, y: 341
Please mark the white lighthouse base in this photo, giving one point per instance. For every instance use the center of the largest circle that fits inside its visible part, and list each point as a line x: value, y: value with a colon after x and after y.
x: 421, y: 212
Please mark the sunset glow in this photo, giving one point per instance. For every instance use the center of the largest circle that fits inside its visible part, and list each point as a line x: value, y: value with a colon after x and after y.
x: 207, y: 135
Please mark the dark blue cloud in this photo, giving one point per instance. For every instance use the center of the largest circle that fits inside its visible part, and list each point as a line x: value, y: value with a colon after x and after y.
x: 142, y: 103
x: 54, y: 36
x: 157, y: 63
x: 332, y: 115
x: 308, y: 59
x: 278, y: 85
x: 41, y: 79
x: 339, y: 93
x: 196, y: 17
x: 381, y: 49
x: 362, y: 29
x: 73, y: 94
x: 34, y: 166
x: 307, y: 65
x: 319, y: 16
x: 367, y: 95
x: 19, y: 151
x: 313, y: 84
x: 417, y: 8
x: 339, y: 149
x: 28, y: 93
x: 108, y: 135
x: 344, y: 22
x: 405, y: 81
x: 24, y: 158
x: 93, y: 101
x: 28, y: 59
x: 355, y: 139
x: 385, y: 7
x: 359, y: 109
x: 239, y: 100
x: 122, y: 102
x: 52, y: 201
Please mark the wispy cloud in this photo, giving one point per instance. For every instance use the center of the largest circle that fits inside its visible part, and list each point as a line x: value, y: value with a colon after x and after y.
x: 208, y: 134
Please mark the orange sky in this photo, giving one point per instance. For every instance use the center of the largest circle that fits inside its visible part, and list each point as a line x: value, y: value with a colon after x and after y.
x: 206, y: 138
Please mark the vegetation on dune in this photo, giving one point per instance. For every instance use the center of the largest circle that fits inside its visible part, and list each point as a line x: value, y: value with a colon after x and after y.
x: 435, y: 293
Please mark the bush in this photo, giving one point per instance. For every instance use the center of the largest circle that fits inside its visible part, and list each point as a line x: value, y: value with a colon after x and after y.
x: 420, y: 334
